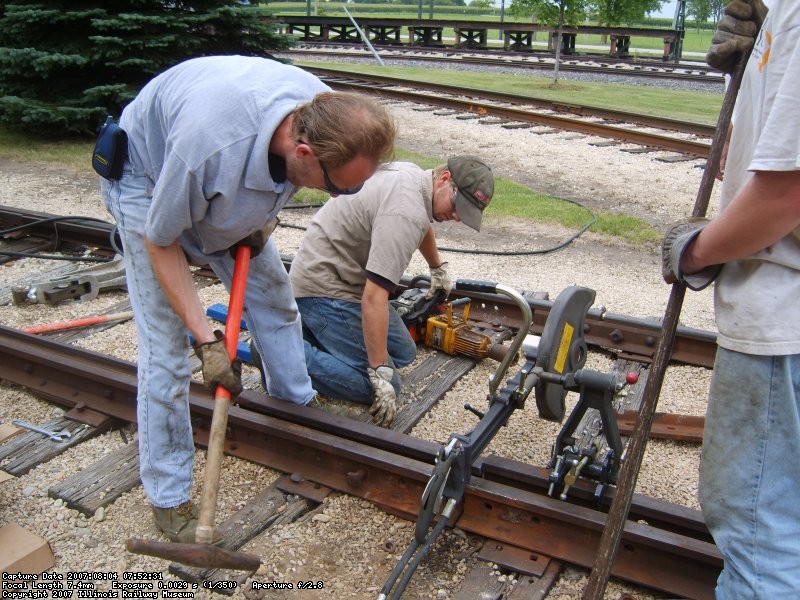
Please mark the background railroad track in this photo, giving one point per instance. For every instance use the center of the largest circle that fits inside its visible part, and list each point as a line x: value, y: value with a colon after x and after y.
x: 639, y: 67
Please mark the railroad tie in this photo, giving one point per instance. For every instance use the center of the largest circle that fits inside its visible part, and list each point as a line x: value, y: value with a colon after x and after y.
x: 674, y: 158
x: 534, y: 574
x: 493, y: 121
x: 427, y: 384
x: 272, y: 506
x: 30, y: 449
x: 101, y: 483
x: 640, y: 150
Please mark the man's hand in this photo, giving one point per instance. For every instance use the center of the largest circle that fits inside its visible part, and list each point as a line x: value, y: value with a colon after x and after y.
x: 384, y: 407
x: 256, y: 240
x: 677, y: 240
x: 217, y: 366
x: 440, y: 280
x: 735, y: 33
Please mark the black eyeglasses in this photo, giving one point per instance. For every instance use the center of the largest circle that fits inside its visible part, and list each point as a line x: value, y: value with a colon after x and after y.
x: 332, y: 188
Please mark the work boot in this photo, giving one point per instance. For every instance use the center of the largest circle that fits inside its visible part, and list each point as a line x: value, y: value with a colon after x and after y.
x: 257, y: 363
x: 179, y: 523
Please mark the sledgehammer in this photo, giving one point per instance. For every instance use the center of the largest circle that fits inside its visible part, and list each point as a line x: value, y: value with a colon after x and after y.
x: 203, y: 553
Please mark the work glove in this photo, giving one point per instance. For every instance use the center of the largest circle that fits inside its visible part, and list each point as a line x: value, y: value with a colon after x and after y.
x: 217, y: 366
x: 440, y: 280
x: 679, y: 237
x: 384, y: 407
x: 735, y: 34
x: 256, y: 240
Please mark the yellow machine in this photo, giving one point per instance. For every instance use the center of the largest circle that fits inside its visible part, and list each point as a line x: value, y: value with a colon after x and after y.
x: 453, y: 335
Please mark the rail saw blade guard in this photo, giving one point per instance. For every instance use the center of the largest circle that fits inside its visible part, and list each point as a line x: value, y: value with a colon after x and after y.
x: 562, y: 348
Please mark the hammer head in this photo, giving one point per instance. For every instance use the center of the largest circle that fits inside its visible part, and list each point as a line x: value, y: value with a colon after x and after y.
x: 207, y: 556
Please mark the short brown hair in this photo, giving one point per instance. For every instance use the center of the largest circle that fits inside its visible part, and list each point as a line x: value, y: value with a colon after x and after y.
x: 342, y: 125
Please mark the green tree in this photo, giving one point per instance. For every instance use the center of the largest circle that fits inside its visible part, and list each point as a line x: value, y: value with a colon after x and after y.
x: 65, y: 64
x: 617, y: 12
x: 699, y: 10
x: 556, y: 13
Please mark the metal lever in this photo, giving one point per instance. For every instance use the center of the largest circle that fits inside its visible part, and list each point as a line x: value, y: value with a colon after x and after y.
x: 82, y: 285
x: 56, y: 436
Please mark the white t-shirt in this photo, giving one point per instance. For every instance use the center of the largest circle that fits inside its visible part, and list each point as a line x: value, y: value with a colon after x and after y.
x: 757, y: 299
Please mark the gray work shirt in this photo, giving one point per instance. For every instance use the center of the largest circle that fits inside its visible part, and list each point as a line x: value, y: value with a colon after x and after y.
x: 200, y: 132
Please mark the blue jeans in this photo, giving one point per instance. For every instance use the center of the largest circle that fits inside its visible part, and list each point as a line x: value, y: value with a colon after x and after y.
x: 166, y: 447
x: 750, y: 474
x: 336, y: 356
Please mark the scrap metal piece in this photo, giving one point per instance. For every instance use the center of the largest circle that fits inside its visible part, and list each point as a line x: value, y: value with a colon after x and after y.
x: 81, y: 285
x: 56, y: 436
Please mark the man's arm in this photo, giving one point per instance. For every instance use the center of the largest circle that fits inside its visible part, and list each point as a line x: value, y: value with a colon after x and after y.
x: 375, y: 323
x: 172, y: 271
x: 765, y: 211
x: 440, y: 278
x: 429, y: 249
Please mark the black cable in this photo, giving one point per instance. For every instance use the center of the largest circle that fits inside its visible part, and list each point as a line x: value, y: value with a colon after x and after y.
x: 55, y: 220
x: 50, y: 220
x: 55, y: 257
x: 320, y: 205
x: 558, y: 246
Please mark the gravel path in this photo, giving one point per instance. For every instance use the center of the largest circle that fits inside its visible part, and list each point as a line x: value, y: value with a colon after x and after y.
x: 347, y: 542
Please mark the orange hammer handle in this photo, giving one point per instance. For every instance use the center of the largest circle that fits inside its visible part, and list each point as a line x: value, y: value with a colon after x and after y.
x: 219, y: 419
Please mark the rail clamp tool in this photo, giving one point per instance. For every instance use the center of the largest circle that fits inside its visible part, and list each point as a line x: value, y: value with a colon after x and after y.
x: 553, y: 366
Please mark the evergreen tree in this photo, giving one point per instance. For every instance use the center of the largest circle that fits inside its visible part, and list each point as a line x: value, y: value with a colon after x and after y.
x: 64, y: 65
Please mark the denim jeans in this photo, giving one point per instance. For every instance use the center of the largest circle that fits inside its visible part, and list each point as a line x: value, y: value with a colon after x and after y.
x: 336, y: 355
x: 166, y: 447
x: 750, y: 474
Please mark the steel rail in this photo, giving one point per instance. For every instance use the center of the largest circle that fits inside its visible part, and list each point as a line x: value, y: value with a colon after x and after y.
x: 688, y: 147
x: 520, y: 100
x: 641, y: 69
x: 385, y: 467
x: 634, y: 338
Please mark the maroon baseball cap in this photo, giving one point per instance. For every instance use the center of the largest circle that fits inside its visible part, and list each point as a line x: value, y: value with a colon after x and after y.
x: 475, y: 184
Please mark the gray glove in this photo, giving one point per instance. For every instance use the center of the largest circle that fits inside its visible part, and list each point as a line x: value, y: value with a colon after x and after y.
x: 440, y: 280
x: 735, y: 34
x: 217, y: 366
x: 256, y: 240
x: 679, y: 237
x: 384, y: 407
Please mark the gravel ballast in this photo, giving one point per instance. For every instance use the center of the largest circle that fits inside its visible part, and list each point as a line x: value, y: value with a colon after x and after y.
x: 347, y: 543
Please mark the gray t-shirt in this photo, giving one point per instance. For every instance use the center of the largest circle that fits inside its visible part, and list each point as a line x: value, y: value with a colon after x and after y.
x: 375, y: 230
x: 200, y: 132
x: 756, y: 298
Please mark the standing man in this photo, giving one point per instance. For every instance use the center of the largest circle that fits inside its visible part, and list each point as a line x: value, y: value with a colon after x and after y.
x: 352, y: 257
x: 749, y: 473
x: 217, y: 146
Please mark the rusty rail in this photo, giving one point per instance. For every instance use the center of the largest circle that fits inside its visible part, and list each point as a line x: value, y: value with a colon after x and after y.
x: 385, y: 467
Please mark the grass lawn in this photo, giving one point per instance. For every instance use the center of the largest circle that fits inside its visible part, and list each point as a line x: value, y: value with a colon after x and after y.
x: 696, y: 107
x: 511, y: 199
